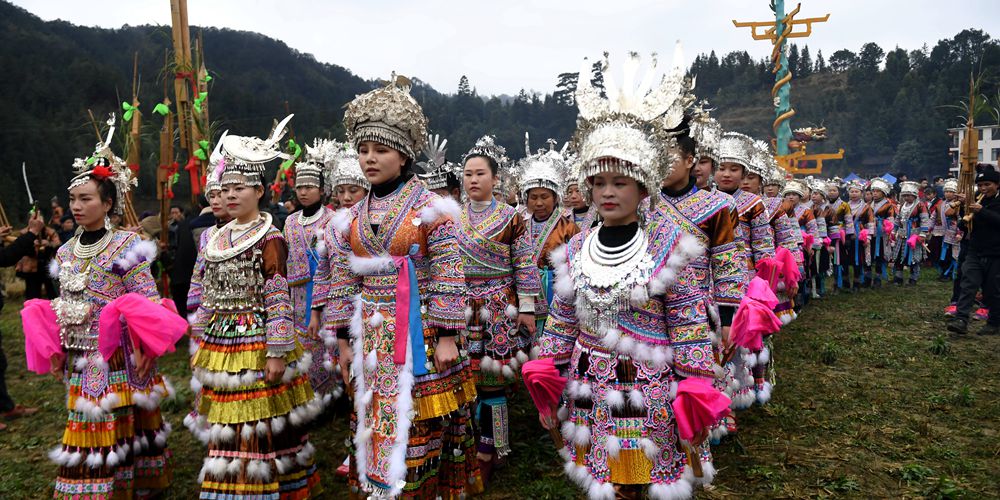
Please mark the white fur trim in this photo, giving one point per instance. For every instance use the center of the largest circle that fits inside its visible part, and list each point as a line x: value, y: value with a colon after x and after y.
x: 511, y: 311
x: 366, y: 266
x: 615, y: 399
x: 649, y: 448
x: 601, y: 491
x: 341, y: 220
x: 443, y: 206
x: 764, y: 356
x: 635, y: 399
x: 764, y: 395
x: 678, y: 490
x: 581, y: 437
x: 54, y: 269
x: 563, y: 282
x: 612, y: 445
x: 484, y: 314
x: 688, y: 247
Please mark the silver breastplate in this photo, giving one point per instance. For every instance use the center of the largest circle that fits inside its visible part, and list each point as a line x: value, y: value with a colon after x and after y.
x: 74, y: 310
x: 235, y: 284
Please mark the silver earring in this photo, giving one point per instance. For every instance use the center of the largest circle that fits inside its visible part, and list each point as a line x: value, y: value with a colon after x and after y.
x: 107, y: 223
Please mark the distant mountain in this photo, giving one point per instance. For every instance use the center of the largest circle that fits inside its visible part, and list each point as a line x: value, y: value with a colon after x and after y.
x: 55, y: 71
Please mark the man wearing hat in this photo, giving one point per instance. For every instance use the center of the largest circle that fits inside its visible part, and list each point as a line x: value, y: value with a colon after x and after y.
x: 981, y: 268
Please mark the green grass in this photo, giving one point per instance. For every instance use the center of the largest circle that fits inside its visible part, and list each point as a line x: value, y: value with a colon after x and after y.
x: 874, y: 400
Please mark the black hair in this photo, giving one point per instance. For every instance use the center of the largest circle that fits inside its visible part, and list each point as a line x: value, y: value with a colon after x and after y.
x: 179, y: 208
x: 203, y: 201
x: 682, y: 133
x: 107, y: 191
x: 494, y: 166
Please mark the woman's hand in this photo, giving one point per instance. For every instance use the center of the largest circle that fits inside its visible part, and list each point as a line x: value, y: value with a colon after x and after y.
x: 445, y: 353
x: 56, y: 364
x: 344, y: 360
x: 143, y: 363
x: 314, y: 322
x: 274, y: 370
x: 549, y: 421
x: 526, y: 320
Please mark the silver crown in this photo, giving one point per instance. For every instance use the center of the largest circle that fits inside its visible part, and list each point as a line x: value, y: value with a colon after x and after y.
x: 951, y: 185
x: 387, y: 115
x: 633, y: 129
x: 487, y: 146
x: 344, y: 167
x: 738, y: 148
x: 706, y: 132
x: 216, y: 164
x: 909, y: 187
x: 796, y: 186
x: 880, y: 184
x: 546, y: 168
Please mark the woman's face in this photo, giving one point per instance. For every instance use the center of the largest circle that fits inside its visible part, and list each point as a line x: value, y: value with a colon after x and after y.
x: 772, y: 190
x: 868, y: 196
x: 909, y: 198
x: 681, y: 170
x: 379, y: 162
x: 751, y: 183
x: 703, y: 172
x: 349, y: 195
x: 478, y: 179
x: 308, y: 195
x: 877, y: 195
x: 832, y: 193
x: 218, y: 204
x: 617, y: 197
x: 817, y: 198
x: 793, y: 197
x: 87, y: 206
x: 729, y: 176
x: 541, y: 202
x: 574, y: 198
x: 241, y: 200
x: 854, y: 194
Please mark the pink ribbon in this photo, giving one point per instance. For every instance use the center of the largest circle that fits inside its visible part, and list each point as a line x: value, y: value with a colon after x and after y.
x: 402, y: 309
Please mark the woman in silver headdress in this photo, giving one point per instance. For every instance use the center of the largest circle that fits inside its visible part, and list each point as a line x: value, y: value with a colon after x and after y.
x: 253, y: 372
x: 114, y: 445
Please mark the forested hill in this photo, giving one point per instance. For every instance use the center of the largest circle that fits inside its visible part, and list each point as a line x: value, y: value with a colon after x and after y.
x: 878, y: 106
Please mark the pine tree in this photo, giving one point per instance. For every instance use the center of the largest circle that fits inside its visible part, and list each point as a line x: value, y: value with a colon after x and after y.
x: 463, y: 86
x: 793, y: 59
x: 805, y: 63
x: 820, y: 62
x: 565, y: 93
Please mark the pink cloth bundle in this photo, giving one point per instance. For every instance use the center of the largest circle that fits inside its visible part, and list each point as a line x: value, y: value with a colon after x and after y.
x: 755, y: 317
x: 698, y: 405
x: 863, y: 236
x: 153, y: 327
x: 41, y: 335
x: 807, y: 240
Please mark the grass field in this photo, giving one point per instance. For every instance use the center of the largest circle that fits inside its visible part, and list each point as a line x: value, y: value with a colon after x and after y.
x: 874, y: 400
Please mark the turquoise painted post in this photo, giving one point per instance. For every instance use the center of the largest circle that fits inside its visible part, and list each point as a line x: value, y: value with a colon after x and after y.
x: 782, y: 102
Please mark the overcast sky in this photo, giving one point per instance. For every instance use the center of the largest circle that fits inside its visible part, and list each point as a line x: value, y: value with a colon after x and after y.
x: 506, y: 45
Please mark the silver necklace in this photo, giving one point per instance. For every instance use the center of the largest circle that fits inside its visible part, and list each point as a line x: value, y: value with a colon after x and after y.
x: 308, y: 221
x: 258, y: 227
x: 90, y: 251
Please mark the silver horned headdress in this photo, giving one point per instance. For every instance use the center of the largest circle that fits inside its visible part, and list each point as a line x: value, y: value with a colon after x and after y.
x: 633, y: 130
x: 246, y: 157
x: 437, y: 168
x: 345, y: 168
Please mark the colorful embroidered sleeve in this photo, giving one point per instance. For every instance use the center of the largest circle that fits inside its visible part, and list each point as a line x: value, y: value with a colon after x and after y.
x: 727, y: 270
x: 821, y: 226
x: 812, y: 227
x: 558, y: 337
x: 344, y: 284
x: 277, y: 301
x: 761, y: 233
x: 686, y: 313
x: 925, y: 222
x: 195, y: 291
x: 446, y: 300
x: 526, y: 277
x: 321, y: 280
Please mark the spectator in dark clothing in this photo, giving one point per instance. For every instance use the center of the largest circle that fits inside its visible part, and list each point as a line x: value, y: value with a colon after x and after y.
x: 204, y: 220
x: 981, y: 268
x: 67, y: 228
x: 184, y: 255
x: 23, y: 246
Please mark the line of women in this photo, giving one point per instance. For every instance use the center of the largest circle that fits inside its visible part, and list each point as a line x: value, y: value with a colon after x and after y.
x: 651, y: 260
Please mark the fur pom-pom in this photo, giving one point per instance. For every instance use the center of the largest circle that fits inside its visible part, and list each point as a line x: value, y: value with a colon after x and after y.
x: 626, y: 345
x: 468, y: 314
x: 612, y: 445
x: 601, y: 491
x: 376, y: 320
x: 113, y: 458
x: 80, y: 363
x: 764, y: 356
x: 511, y: 311
x: 568, y: 430
x: 649, y: 448
x: 611, y: 338
x: 584, y: 391
x: 246, y: 432
x: 277, y: 425
x: 371, y: 360
x: 439, y: 208
x: 678, y: 490
x: 54, y: 269
x: 341, y: 221
x: 764, y: 394
x: 582, y: 436
x: 522, y: 357
x: 507, y: 372
x: 74, y: 459
x: 234, y: 467
x: 639, y: 296
x: 635, y: 399
x: 615, y: 399
x: 484, y: 315
x: 261, y: 428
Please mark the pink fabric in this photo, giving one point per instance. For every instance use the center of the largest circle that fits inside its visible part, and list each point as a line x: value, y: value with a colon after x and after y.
x: 864, y: 236
x: 152, y: 327
x: 41, y: 334
x: 755, y: 317
x: 402, y: 310
x: 912, y: 241
x: 544, y: 383
x: 807, y: 239
x: 770, y: 269
x: 843, y: 234
x: 827, y: 242
x: 698, y: 405
x: 790, y: 268
x: 888, y: 226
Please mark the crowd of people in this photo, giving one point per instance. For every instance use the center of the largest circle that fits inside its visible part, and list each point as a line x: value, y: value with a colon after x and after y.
x: 650, y: 260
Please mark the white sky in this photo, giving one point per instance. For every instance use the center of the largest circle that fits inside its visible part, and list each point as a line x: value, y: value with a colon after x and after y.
x: 506, y: 45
